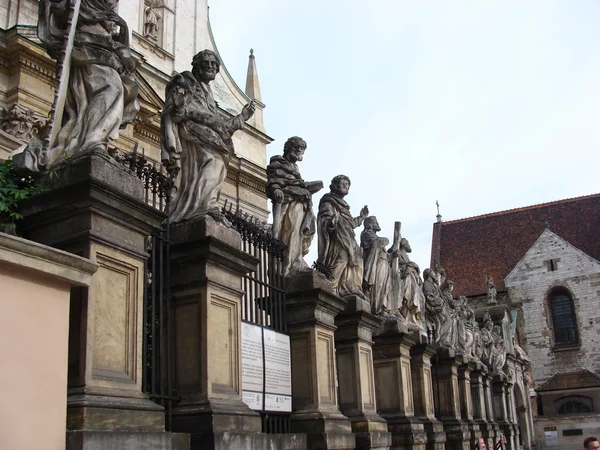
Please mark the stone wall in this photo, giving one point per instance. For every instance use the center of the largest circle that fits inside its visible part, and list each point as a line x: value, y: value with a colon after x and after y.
x: 529, y: 284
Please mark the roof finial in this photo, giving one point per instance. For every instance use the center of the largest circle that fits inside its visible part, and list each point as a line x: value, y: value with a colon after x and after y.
x: 252, y: 85
x: 439, y: 216
x: 546, y: 224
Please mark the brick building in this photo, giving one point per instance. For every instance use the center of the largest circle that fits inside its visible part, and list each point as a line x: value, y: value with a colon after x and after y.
x: 544, y: 260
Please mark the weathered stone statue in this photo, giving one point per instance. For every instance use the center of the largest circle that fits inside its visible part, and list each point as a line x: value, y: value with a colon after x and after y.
x: 412, y: 299
x: 465, y: 331
x: 151, y: 17
x: 196, y: 140
x: 338, y: 250
x: 101, y: 95
x: 491, y: 291
x: 293, y: 218
x: 498, y: 358
x: 487, y: 340
x: 437, y: 309
x: 378, y: 275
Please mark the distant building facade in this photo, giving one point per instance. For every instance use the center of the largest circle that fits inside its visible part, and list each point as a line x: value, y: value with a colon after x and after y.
x: 165, y: 35
x: 544, y: 261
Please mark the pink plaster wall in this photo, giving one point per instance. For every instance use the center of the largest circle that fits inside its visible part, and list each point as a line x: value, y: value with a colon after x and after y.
x: 34, y: 328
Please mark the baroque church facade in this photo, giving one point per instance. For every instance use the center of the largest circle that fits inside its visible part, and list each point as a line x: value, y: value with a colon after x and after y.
x: 162, y: 43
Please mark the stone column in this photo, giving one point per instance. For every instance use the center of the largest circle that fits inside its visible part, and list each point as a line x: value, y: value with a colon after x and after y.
x: 353, y: 345
x: 207, y: 266
x: 420, y: 363
x: 500, y: 394
x: 448, y: 401
x: 393, y: 383
x: 311, y: 311
x: 479, y: 403
x: 466, y: 405
x: 94, y: 208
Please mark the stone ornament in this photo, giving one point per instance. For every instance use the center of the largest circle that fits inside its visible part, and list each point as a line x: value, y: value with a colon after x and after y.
x: 437, y: 307
x: 491, y: 291
x: 101, y: 95
x: 293, y: 218
x: 196, y: 140
x: 338, y: 251
x: 466, y: 333
x: 492, y: 343
x: 151, y: 18
x: 22, y: 123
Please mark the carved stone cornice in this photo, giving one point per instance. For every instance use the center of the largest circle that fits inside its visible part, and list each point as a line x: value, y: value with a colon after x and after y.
x: 18, y: 52
x: 146, y: 131
x: 237, y: 176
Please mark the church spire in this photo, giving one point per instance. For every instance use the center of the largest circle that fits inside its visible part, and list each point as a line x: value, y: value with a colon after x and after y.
x: 252, y: 85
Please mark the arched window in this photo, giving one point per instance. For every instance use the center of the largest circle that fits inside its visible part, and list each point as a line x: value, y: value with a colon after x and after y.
x: 563, y: 318
x: 573, y: 407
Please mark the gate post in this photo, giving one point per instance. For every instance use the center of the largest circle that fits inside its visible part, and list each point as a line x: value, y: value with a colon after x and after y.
x: 207, y: 266
x: 95, y: 208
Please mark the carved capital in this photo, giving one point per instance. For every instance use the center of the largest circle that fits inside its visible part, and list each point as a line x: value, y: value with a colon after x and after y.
x: 23, y: 123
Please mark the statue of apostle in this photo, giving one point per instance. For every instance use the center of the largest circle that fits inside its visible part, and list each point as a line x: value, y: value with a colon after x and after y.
x: 101, y: 94
x: 293, y: 218
x: 338, y: 250
x: 378, y: 276
x: 412, y: 299
x: 196, y: 140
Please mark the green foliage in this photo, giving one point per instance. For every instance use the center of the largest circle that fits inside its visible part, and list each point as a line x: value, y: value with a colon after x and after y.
x: 14, y: 189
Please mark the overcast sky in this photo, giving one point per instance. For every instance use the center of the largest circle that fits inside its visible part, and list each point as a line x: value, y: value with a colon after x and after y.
x: 481, y: 105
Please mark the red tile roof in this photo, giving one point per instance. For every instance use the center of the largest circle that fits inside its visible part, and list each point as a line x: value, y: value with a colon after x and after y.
x: 571, y: 380
x: 493, y: 244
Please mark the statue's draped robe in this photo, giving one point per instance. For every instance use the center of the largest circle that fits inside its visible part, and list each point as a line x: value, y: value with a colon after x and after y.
x: 295, y: 224
x: 413, y: 299
x: 377, y: 277
x: 196, y: 143
x: 338, y: 250
x: 438, y: 312
x: 102, y: 95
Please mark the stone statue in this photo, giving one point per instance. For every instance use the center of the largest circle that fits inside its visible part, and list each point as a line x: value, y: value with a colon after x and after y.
x: 151, y: 17
x: 498, y: 358
x: 437, y: 309
x: 491, y: 291
x: 196, y: 140
x: 378, y: 275
x: 338, y: 250
x: 487, y: 340
x: 412, y: 299
x: 466, y: 332
x: 293, y: 218
x: 101, y: 95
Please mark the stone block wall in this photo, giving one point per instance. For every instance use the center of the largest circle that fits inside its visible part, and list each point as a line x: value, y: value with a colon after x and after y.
x: 529, y: 285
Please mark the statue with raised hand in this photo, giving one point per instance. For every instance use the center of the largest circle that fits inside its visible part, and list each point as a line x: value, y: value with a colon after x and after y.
x: 338, y: 251
x: 196, y: 140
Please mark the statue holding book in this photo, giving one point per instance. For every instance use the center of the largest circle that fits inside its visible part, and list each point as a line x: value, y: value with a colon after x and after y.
x: 294, y: 222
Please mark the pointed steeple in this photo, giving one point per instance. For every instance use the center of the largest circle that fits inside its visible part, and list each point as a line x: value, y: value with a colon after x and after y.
x: 252, y: 85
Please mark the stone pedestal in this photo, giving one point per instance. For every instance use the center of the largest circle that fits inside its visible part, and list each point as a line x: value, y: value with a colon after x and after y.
x: 420, y: 362
x: 447, y: 396
x: 353, y: 345
x: 207, y: 266
x: 94, y: 208
x: 489, y: 407
x: 311, y: 311
x: 393, y: 382
x: 478, y: 395
x: 466, y: 401
x: 502, y: 405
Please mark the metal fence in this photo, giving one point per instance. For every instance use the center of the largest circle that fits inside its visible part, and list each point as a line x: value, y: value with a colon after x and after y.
x: 263, y: 302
